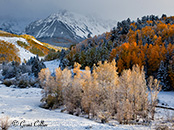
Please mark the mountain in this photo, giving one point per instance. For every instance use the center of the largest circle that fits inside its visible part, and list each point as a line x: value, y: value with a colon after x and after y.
x: 13, y: 25
x: 67, y: 27
x: 21, y: 47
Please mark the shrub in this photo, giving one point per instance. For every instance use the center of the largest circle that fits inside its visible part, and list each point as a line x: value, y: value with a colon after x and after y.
x: 50, y: 101
x: 25, y: 74
x: 5, y: 123
x: 23, y: 82
x: 154, y: 87
x: 53, y: 86
x: 26, y: 80
x: 37, y: 51
x: 10, y: 70
x: 13, y: 69
x: 25, y: 68
x: 104, y: 116
x: 133, y: 96
x: 7, y: 82
x: 22, y: 44
x: 72, y: 89
x: 52, y: 56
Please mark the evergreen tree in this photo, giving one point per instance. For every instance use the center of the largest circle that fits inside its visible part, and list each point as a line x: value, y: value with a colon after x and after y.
x: 37, y: 65
x: 89, y: 35
x: 162, y: 75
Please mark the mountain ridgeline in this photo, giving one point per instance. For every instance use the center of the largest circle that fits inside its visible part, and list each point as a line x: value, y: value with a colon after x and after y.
x: 148, y: 42
x: 64, y: 28
x: 13, y: 25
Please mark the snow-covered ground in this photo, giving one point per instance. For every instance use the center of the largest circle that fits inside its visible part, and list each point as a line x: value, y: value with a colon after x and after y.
x: 166, y: 100
x: 22, y: 107
x: 52, y: 65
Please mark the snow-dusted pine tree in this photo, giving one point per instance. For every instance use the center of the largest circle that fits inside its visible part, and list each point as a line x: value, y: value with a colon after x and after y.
x: 162, y: 76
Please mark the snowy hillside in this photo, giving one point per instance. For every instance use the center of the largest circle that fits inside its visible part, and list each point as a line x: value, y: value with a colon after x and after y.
x: 68, y: 26
x: 21, y: 47
x: 27, y: 46
x: 23, y: 53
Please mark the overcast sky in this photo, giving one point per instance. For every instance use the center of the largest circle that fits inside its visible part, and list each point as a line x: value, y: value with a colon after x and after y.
x: 107, y: 9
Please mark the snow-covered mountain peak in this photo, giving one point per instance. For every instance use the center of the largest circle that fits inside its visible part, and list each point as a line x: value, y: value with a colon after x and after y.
x: 61, y: 13
x: 68, y: 26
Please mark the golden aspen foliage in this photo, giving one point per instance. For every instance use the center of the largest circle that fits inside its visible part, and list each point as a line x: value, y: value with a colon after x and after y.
x: 113, y: 54
x: 8, y: 52
x: 153, y: 58
x: 147, y: 32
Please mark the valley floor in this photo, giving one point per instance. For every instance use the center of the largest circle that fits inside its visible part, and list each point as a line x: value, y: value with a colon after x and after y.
x: 23, y: 105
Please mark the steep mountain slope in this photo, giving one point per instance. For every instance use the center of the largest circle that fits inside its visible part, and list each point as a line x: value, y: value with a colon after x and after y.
x: 67, y: 27
x: 21, y: 47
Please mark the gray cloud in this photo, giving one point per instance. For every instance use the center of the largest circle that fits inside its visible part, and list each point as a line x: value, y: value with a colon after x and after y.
x: 108, y: 9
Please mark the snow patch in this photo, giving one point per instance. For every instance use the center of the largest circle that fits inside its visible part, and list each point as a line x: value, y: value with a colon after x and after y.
x: 166, y: 98
x: 38, y: 42
x: 52, y: 65
x: 53, y: 32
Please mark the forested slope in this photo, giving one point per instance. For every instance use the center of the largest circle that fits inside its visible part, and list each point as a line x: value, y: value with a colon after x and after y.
x: 148, y: 42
